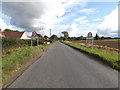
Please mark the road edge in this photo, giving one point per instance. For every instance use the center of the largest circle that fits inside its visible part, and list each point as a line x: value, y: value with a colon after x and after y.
x: 100, y: 59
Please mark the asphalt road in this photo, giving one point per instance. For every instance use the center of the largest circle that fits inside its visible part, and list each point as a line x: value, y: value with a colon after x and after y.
x: 64, y: 67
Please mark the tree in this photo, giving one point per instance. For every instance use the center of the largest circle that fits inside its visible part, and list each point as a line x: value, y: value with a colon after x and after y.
x: 46, y: 38
x: 9, y: 30
x: 39, y: 35
x: 102, y: 37
x: 97, y: 37
x: 66, y: 35
x: 54, y: 37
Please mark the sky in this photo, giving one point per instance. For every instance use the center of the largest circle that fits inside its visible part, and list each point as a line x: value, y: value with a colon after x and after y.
x: 78, y: 17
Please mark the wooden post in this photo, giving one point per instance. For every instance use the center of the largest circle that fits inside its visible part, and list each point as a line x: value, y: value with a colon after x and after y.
x: 31, y: 42
x: 86, y: 42
x: 37, y: 41
x: 92, y: 43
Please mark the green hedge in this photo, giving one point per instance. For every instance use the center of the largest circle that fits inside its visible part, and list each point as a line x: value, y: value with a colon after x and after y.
x: 8, y: 43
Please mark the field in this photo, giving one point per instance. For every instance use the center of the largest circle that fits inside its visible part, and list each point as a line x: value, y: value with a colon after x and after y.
x: 111, y: 45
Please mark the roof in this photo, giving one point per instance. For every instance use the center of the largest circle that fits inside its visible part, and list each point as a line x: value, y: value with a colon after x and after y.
x: 12, y: 34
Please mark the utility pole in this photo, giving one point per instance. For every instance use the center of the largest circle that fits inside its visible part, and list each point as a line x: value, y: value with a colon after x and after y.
x: 50, y: 32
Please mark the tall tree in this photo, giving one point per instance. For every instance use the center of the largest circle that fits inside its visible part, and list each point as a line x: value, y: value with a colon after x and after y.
x: 97, y: 37
x: 65, y: 33
x: 54, y: 37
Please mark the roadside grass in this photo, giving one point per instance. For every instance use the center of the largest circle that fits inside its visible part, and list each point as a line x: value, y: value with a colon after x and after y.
x: 105, y: 55
x: 12, y: 62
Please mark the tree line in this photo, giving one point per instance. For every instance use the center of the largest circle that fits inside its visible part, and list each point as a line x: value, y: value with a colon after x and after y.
x: 64, y: 37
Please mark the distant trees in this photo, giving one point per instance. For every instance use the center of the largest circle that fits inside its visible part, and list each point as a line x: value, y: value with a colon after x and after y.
x: 102, y: 37
x: 97, y: 37
x: 9, y: 30
x: 46, y: 37
x: 66, y: 35
x: 54, y: 37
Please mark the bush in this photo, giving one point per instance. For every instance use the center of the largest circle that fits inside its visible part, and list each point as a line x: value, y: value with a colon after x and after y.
x: 8, y: 43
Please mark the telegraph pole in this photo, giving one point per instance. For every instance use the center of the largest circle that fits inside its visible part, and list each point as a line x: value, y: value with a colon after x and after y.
x: 50, y: 32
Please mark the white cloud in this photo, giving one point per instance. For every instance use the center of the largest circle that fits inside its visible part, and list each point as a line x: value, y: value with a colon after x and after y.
x: 73, y: 30
x: 84, y: 21
x: 77, y: 30
x: 88, y: 11
x: 72, y: 3
x: 110, y: 24
x: 65, y: 18
x: 33, y: 16
x: 81, y: 20
x: 3, y: 25
x: 97, y: 19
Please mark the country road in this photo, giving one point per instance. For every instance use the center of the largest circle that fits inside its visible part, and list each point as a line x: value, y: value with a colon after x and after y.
x: 64, y: 67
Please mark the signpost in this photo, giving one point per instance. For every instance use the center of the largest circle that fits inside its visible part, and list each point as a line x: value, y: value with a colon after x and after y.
x: 34, y: 36
x: 89, y: 37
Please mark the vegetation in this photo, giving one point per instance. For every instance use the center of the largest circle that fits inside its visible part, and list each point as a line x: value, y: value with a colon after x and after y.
x: 97, y: 37
x: 17, y: 52
x: 54, y: 37
x: 9, y: 30
x: 12, y: 62
x: 66, y: 35
x: 8, y: 43
x: 106, y: 55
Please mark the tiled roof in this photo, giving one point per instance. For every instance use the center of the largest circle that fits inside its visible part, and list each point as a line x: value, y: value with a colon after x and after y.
x: 12, y: 34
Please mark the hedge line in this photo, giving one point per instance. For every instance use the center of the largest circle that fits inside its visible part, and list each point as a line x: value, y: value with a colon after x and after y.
x: 9, y: 43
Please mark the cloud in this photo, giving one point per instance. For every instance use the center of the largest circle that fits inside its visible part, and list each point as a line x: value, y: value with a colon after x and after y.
x: 36, y: 16
x: 88, y: 11
x: 71, y: 3
x: 33, y: 16
x: 81, y: 20
x: 97, y: 19
x: 3, y: 25
x: 110, y: 24
x: 73, y: 30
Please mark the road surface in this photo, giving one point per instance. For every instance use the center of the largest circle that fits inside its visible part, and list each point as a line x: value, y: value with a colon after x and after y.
x: 64, y: 67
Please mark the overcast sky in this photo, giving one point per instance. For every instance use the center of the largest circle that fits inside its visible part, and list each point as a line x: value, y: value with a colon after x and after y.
x: 75, y: 16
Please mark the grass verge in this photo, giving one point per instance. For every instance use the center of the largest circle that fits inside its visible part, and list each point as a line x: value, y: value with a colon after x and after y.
x: 109, y: 57
x: 13, y: 62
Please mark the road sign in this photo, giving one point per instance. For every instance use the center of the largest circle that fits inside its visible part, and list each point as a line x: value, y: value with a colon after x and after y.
x: 34, y: 36
x: 89, y: 37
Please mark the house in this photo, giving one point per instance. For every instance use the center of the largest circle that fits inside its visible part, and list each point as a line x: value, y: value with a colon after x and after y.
x: 18, y: 35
